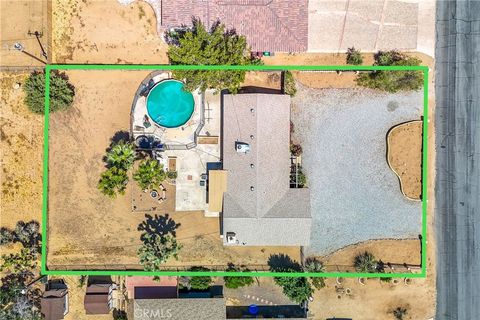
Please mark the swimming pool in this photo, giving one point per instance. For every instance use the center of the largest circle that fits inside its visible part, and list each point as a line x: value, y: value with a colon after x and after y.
x: 169, y: 105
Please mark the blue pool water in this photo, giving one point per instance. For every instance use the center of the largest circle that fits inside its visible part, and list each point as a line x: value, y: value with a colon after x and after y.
x: 169, y: 105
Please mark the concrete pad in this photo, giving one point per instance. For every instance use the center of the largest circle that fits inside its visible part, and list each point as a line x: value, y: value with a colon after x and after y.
x: 397, y: 37
x: 359, y: 34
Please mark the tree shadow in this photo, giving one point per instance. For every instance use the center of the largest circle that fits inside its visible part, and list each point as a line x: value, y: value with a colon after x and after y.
x: 119, y: 136
x: 283, y: 263
x: 160, y: 225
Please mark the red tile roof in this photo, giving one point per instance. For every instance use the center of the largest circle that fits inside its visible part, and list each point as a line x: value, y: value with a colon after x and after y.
x: 269, y: 25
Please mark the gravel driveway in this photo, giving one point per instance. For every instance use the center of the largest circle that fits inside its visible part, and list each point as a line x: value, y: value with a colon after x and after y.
x: 355, y: 195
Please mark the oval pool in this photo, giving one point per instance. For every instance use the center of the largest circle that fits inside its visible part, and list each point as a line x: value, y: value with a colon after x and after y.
x: 169, y: 105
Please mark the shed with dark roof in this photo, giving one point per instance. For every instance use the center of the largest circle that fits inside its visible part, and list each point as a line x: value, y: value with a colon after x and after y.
x: 54, y: 304
x: 97, y: 299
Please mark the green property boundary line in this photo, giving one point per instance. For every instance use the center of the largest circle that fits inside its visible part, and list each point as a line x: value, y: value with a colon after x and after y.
x: 422, y: 274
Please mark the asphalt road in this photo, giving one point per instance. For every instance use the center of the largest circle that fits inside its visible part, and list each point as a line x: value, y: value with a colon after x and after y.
x: 457, y: 215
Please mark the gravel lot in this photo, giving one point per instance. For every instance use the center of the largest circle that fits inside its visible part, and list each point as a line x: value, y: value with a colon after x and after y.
x: 355, y: 195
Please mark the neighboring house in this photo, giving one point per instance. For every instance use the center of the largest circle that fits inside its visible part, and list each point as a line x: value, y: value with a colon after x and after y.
x: 99, y: 298
x: 179, y: 309
x: 269, y: 25
x: 161, y: 300
x: 259, y: 207
x: 54, y: 302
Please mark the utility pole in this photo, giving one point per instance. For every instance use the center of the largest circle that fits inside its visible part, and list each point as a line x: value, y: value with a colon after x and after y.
x: 38, y: 35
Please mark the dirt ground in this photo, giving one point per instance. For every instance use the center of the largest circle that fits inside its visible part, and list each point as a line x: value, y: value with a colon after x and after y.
x: 21, y: 149
x: 18, y: 18
x: 83, y: 33
x: 405, y: 157
x: 85, y: 227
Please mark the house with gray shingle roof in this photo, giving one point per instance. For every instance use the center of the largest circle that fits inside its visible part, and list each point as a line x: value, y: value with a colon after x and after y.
x: 269, y: 25
x: 259, y: 207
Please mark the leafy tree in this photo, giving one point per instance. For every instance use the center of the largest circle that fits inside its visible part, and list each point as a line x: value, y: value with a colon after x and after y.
x: 354, y: 56
x: 297, y: 289
x: 18, y: 262
x: 62, y: 92
x: 196, y: 45
x: 150, y: 173
x: 393, y: 81
x: 200, y: 282
x: 315, y: 265
x: 113, y: 181
x: 365, y: 262
x: 235, y: 282
x: 289, y: 85
x: 157, y: 249
x: 121, y: 155
x: 6, y: 236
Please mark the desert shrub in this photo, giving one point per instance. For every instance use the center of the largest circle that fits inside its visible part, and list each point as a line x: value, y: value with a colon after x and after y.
x: 18, y: 262
x: 6, y: 236
x: 234, y: 282
x: 196, y: 282
x: 365, y: 262
x: 156, y: 250
x: 149, y: 174
x: 354, y: 56
x: 297, y: 289
x: 399, y: 313
x: 62, y: 92
x: 289, y: 85
x: 392, y: 81
x: 28, y: 234
x: 296, y: 149
x: 172, y: 175
x: 302, y: 178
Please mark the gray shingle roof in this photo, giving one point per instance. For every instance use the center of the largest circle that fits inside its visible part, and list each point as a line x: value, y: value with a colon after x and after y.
x: 180, y: 309
x: 271, y: 213
x: 269, y: 25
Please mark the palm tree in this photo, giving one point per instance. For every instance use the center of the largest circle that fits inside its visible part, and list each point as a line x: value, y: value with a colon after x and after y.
x: 150, y: 173
x: 121, y: 155
x: 365, y: 262
x: 112, y: 181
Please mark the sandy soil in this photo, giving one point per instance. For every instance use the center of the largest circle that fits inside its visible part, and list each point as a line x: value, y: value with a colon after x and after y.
x: 404, y: 154
x: 85, y: 227
x: 82, y: 33
x: 21, y: 149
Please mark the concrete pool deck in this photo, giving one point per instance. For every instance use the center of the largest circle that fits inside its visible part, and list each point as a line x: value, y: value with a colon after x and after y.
x: 355, y: 195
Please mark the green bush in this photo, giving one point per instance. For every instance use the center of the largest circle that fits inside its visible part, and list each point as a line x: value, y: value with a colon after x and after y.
x: 62, y: 92
x: 172, y: 175
x: 354, y: 56
x: 235, y: 282
x: 392, y: 81
x: 296, y: 149
x: 149, y: 174
x: 197, y: 282
x: 297, y: 289
x: 113, y: 181
x: 289, y: 85
x: 314, y: 265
